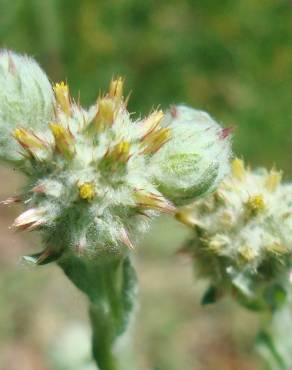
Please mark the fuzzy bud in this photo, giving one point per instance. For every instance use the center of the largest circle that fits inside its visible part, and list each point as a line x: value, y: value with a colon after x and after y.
x: 26, y: 100
x: 195, y: 159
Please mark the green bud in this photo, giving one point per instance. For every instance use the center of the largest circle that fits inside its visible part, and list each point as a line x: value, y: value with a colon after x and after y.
x: 26, y: 100
x: 195, y: 159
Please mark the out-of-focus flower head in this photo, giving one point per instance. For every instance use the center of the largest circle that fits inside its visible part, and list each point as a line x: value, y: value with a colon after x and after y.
x: 243, y: 235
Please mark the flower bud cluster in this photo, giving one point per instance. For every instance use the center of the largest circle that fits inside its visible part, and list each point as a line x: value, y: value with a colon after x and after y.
x: 243, y: 232
x: 95, y: 176
x: 89, y: 185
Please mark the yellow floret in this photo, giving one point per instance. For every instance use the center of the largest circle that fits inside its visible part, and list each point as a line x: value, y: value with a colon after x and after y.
x: 86, y: 191
x: 255, y: 204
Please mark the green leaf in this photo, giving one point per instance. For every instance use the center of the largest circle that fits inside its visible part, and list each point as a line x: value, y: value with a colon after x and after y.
x: 128, y: 293
x: 268, y: 350
x: 210, y: 296
x: 42, y: 258
x: 275, y: 296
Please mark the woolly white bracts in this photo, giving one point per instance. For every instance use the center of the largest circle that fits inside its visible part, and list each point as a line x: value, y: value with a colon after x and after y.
x: 243, y: 232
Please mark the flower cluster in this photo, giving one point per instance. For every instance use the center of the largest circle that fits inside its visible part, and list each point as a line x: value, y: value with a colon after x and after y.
x: 243, y: 234
x: 95, y: 176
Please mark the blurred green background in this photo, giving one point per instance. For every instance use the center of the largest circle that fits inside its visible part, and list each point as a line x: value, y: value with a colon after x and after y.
x: 231, y: 58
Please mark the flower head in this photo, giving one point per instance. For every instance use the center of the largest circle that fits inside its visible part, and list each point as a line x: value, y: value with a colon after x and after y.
x: 243, y: 232
x: 96, y: 176
x: 89, y: 188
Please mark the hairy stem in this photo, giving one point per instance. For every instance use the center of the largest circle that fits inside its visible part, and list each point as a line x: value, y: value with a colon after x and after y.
x: 274, y: 342
x: 111, y: 290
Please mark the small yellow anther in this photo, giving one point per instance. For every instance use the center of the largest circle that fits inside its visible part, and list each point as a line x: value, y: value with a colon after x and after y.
x: 273, y: 180
x: 237, y: 168
x: 63, y: 97
x: 255, y: 204
x: 86, y: 191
